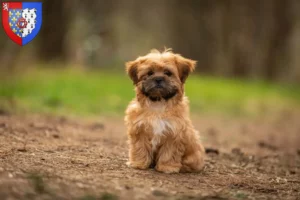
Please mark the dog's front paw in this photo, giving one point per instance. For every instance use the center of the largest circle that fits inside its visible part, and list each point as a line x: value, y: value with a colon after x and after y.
x: 168, y: 169
x: 137, y: 165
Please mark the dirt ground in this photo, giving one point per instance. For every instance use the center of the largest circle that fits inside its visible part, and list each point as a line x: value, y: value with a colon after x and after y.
x: 47, y: 157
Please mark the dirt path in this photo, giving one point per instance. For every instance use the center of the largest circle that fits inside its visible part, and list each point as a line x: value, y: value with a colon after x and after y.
x: 44, y: 157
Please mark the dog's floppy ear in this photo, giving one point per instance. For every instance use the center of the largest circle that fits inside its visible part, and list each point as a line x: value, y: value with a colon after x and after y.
x: 131, y: 69
x: 185, y: 66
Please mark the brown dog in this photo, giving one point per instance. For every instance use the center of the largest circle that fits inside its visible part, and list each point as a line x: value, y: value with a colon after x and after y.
x: 160, y: 131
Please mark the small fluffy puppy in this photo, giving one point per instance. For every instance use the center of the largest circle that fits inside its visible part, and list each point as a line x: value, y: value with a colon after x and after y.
x: 160, y: 131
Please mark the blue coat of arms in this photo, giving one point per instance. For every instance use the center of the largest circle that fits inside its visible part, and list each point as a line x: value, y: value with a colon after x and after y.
x: 22, y: 21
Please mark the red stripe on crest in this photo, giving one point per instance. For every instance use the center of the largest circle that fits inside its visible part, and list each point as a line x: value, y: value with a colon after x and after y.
x: 5, y: 21
x: 14, y: 5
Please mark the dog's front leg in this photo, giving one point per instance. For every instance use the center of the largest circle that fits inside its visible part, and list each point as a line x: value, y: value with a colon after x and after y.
x: 169, y: 156
x: 139, y: 151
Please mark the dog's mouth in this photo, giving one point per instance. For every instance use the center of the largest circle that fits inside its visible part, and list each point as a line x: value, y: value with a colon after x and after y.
x: 159, y: 92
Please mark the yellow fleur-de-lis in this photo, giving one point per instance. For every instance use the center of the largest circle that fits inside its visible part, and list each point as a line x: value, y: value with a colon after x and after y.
x: 10, y: 24
x: 14, y: 19
x: 18, y: 13
x: 14, y: 30
x: 10, y: 13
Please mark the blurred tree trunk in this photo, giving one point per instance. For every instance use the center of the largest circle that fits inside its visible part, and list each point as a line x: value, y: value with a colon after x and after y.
x: 277, y: 52
x: 56, y: 21
x: 294, y: 43
x: 190, y: 31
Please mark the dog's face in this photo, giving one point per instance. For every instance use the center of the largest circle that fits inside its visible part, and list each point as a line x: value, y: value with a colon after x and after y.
x: 160, y: 76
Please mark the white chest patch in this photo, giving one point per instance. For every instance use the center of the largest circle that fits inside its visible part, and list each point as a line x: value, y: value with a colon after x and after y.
x: 155, y: 141
x: 159, y: 126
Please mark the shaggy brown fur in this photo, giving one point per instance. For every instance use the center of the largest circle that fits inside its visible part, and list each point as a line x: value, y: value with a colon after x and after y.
x: 160, y: 131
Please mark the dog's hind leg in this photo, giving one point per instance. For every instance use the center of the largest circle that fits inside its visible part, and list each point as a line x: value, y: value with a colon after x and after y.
x: 193, y: 162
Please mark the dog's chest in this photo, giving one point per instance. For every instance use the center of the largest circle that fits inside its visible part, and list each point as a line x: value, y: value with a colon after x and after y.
x: 159, y: 127
x: 156, y: 123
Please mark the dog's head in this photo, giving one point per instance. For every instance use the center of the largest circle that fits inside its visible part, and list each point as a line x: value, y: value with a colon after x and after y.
x: 160, y: 76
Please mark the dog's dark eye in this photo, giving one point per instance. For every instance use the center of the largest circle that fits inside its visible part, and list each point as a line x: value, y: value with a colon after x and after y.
x: 150, y: 73
x: 168, y: 73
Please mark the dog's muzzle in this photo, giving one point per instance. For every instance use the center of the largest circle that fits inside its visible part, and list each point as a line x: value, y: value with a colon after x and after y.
x: 157, y: 88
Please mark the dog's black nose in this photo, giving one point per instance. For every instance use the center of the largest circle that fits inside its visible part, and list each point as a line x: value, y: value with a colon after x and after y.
x: 158, y: 80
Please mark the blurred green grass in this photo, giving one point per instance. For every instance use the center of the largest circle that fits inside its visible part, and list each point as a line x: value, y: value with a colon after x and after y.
x: 82, y: 92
